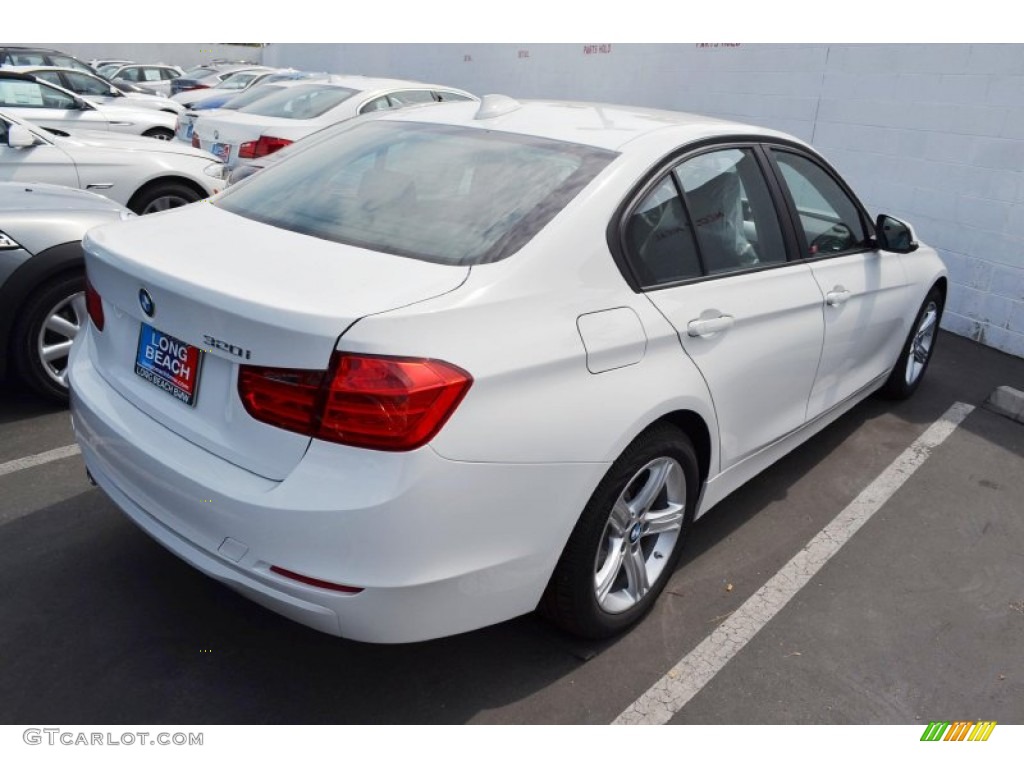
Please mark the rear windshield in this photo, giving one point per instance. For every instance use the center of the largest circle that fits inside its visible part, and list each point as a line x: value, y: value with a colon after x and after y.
x: 300, y: 102
x: 198, y: 73
x: 438, y: 193
x: 251, y: 96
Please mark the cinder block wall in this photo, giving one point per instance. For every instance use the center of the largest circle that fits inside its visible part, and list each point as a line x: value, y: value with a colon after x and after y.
x: 931, y: 133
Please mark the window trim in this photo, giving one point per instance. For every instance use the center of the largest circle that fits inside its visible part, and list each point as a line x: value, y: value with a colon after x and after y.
x: 616, y: 230
x: 870, y: 243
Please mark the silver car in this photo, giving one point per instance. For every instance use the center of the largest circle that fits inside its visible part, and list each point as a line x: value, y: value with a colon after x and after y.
x: 42, y: 299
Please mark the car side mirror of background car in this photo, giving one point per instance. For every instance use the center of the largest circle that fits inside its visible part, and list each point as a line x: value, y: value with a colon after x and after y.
x: 20, y: 137
x: 895, y: 235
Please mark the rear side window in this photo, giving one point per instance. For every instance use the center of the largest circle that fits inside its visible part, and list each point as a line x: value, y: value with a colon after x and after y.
x: 24, y: 93
x: 445, y: 194
x: 300, y: 102
x: 660, y: 239
x: 450, y: 96
x: 830, y: 219
x: 403, y: 98
x: 732, y: 212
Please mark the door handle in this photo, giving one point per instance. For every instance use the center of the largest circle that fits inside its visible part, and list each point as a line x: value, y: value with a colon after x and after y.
x: 706, y: 326
x: 837, y: 296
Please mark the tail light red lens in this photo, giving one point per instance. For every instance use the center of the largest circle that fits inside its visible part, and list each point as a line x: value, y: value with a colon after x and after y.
x: 385, y: 403
x: 263, y: 146
x: 195, y: 140
x: 315, y: 582
x: 93, y: 305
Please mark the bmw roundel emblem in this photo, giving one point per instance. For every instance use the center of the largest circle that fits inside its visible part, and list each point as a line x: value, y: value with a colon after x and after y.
x: 146, y: 302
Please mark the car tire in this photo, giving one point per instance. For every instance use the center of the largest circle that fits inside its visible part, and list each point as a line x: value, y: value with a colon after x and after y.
x: 162, y: 134
x: 47, y: 324
x: 162, y: 196
x: 906, y: 375
x: 628, y: 539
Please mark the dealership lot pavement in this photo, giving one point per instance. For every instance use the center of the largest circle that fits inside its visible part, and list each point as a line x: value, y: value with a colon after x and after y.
x: 920, y: 616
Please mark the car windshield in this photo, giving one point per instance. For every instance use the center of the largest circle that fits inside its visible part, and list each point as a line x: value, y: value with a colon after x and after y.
x: 108, y: 69
x: 251, y: 96
x: 300, y: 102
x: 199, y: 72
x: 438, y: 193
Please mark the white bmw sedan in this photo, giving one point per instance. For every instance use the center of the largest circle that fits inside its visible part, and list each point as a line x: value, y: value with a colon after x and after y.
x: 61, y: 111
x: 302, y: 107
x: 146, y: 176
x: 454, y: 364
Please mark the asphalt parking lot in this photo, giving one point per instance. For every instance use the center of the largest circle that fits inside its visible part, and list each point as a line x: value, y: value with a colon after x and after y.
x: 918, y: 617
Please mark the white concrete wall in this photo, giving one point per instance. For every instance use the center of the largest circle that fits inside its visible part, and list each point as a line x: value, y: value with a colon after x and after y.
x: 931, y: 133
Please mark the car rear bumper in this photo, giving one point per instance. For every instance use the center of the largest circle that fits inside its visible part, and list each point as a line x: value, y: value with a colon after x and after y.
x: 438, y: 547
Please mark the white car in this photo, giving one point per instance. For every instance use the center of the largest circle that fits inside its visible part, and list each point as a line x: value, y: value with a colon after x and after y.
x: 98, y: 90
x: 145, y: 175
x: 454, y: 363
x: 49, y: 106
x: 231, y: 85
x: 302, y: 108
x: 155, y: 78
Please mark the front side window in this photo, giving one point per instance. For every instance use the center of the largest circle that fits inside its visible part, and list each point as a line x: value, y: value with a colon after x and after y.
x: 830, y: 220
x: 131, y: 74
x: 300, y: 102
x: 169, y: 74
x: 377, y: 105
x: 438, y: 193
x: 732, y: 211
x: 85, y: 85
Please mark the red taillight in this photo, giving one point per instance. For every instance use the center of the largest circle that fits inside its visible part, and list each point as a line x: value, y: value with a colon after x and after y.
x: 195, y: 140
x: 315, y: 582
x: 93, y: 305
x: 386, y: 403
x: 263, y: 146
x: 196, y: 87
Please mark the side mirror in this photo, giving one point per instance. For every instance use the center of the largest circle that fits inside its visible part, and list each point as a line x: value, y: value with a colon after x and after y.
x: 895, y: 235
x: 20, y: 137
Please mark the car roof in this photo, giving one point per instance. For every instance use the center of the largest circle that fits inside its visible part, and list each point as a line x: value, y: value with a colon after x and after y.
x: 607, y: 126
x: 28, y: 68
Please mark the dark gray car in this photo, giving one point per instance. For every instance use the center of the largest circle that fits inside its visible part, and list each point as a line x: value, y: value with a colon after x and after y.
x: 42, y: 282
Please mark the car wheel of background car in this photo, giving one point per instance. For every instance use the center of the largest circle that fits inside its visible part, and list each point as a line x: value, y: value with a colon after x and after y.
x: 48, y: 323
x: 628, y: 539
x: 917, y: 351
x: 162, y: 196
x: 164, y: 134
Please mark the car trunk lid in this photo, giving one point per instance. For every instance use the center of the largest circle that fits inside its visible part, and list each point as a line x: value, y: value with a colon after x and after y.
x: 240, y: 292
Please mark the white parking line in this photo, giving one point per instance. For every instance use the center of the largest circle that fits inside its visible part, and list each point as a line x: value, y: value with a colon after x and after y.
x: 695, y: 670
x: 40, y: 458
